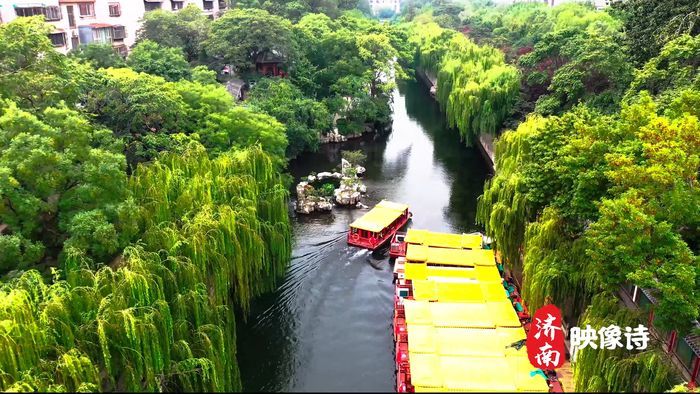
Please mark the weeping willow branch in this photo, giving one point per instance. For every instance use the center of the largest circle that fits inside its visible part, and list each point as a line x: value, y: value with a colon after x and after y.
x: 216, y: 234
x: 620, y: 370
x: 475, y: 87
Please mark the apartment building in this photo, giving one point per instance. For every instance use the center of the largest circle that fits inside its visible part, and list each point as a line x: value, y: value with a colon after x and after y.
x: 114, y: 22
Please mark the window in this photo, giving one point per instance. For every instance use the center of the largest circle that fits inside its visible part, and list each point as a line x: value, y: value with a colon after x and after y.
x: 52, y: 13
x: 87, y: 9
x: 177, y: 5
x: 102, y: 35
x: 150, y: 5
x: 29, y: 11
x: 115, y: 9
x: 222, y: 4
x: 58, y: 39
x: 118, y: 33
x: 684, y: 353
x: 208, y: 5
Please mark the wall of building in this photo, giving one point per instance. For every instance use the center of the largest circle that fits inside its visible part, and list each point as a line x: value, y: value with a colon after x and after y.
x: 100, y: 27
x: 376, y: 5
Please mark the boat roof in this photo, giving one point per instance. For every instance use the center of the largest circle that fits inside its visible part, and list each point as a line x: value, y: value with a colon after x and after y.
x: 380, y: 217
x: 490, y: 314
x: 444, y: 240
x: 432, y: 372
x: 458, y: 291
x: 460, y: 322
x: 392, y: 205
x: 479, y: 273
x: 454, y: 257
x: 471, y: 342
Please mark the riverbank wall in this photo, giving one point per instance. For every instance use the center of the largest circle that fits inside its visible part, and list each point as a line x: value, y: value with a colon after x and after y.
x: 485, y: 142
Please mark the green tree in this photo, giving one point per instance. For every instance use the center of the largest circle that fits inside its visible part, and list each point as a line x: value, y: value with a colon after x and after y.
x: 52, y: 170
x: 240, y: 128
x: 475, y: 87
x: 149, y: 57
x: 186, y: 29
x: 32, y: 72
x: 204, y: 76
x: 98, y: 55
x: 303, y: 118
x: 241, y: 35
x: 130, y: 102
x: 588, y: 66
x: 650, y: 24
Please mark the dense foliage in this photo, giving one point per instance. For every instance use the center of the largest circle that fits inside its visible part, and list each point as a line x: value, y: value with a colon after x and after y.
x: 650, y: 24
x: 127, y: 247
x: 141, y: 207
x: 475, y: 87
x: 605, y: 193
x: 567, y: 54
x: 337, y: 70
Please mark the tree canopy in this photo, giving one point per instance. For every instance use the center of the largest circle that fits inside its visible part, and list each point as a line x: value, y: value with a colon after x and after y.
x: 149, y: 57
x: 241, y: 35
x: 127, y: 246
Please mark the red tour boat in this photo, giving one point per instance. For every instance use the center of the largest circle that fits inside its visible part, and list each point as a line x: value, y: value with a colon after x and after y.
x: 378, y: 225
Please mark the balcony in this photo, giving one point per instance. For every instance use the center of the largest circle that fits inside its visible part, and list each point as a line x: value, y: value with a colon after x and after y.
x: 51, y: 13
x: 151, y: 5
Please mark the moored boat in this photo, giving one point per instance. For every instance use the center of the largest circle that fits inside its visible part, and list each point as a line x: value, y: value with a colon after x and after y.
x: 379, y: 225
x: 459, y: 322
x: 400, y: 241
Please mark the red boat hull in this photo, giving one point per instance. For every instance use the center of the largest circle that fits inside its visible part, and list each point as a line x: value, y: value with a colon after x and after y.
x: 374, y: 243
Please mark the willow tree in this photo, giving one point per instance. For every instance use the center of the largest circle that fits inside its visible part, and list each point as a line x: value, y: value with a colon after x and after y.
x: 504, y: 209
x: 162, y: 316
x: 590, y: 203
x: 620, y: 370
x: 475, y: 87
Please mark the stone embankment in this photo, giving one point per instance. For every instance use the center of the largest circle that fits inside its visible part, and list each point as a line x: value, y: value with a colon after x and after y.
x: 485, y: 142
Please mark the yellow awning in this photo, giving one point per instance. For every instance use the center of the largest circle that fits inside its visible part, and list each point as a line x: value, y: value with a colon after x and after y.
x: 450, y: 257
x: 448, y: 314
x: 430, y: 372
x: 461, y: 314
x: 380, y: 217
x: 460, y: 373
x: 483, y: 274
x: 444, y: 240
x: 457, y: 290
x: 395, y: 206
x: 462, y: 341
x: 503, y: 313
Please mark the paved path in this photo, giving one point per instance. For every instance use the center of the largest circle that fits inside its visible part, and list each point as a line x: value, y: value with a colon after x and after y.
x: 566, y: 377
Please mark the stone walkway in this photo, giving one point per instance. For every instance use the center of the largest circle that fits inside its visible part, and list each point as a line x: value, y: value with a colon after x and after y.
x: 566, y: 377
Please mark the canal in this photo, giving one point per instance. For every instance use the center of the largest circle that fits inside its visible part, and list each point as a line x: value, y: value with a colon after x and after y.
x: 328, y: 326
